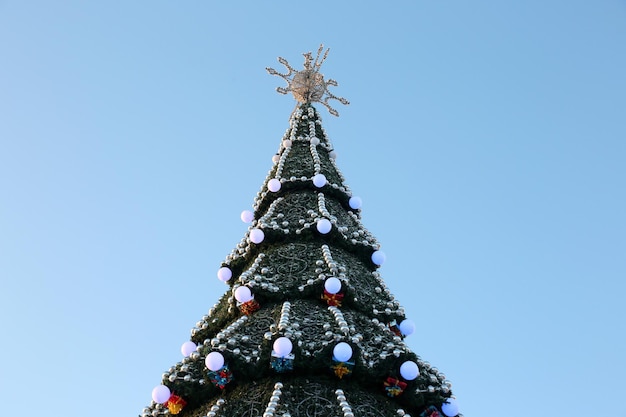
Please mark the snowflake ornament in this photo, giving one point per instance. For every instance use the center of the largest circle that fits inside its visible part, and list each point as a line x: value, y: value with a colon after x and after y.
x: 309, y: 85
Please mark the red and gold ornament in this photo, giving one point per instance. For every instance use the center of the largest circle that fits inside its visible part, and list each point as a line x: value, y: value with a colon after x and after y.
x: 332, y: 299
x: 394, y: 387
x: 175, y: 404
x: 249, y: 307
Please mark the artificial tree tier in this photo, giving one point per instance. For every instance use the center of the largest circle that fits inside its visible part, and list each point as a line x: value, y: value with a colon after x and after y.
x: 307, y: 326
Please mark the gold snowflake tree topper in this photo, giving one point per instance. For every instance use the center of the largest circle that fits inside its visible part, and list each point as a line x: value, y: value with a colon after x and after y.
x: 308, y: 85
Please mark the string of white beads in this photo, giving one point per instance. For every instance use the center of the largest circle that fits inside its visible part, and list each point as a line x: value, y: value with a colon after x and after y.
x: 228, y: 331
x: 343, y: 403
x: 330, y: 263
x: 341, y: 321
x: 274, y: 400
x: 321, y: 206
x: 245, y: 276
x: 265, y: 222
x: 215, y: 408
x: 317, y: 163
x: 281, y: 162
x: 204, y: 323
x: 345, y: 187
x: 283, y: 322
x: 366, y: 237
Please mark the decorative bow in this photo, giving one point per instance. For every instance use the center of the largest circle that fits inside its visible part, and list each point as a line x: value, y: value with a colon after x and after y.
x: 221, y: 377
x: 175, y: 404
x: 332, y: 299
x: 394, y: 387
x: 249, y: 307
x: 342, y: 369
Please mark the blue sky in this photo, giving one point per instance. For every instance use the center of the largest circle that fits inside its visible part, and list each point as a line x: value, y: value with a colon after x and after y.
x: 486, y: 140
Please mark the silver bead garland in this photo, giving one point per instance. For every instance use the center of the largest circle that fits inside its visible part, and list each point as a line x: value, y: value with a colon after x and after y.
x: 343, y: 403
x: 215, y: 408
x: 274, y: 400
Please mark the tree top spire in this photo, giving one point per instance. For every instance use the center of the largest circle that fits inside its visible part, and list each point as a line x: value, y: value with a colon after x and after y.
x: 308, y: 85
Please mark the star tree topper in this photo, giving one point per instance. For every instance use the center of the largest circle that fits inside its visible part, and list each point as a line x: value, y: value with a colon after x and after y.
x: 308, y: 85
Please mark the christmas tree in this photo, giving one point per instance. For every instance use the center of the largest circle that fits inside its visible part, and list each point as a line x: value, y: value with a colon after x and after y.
x: 307, y: 326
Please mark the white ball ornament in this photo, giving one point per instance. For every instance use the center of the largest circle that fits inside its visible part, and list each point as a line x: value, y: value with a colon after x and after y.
x: 273, y: 185
x: 247, y: 216
x: 188, y: 348
x: 214, y: 361
x: 275, y: 158
x: 379, y: 257
x: 324, y: 226
x: 332, y: 285
x: 282, y: 346
x: 407, y: 327
x: 315, y: 141
x: 319, y: 180
x: 243, y: 294
x: 450, y: 408
x: 332, y: 155
x: 257, y: 236
x: 355, y: 203
x: 342, y: 352
x: 160, y: 394
x: 224, y: 274
x: 287, y: 143
x: 409, y: 370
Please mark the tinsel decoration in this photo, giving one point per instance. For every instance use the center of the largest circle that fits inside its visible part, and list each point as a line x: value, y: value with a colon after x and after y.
x: 342, y: 369
x: 430, y: 411
x: 249, y: 307
x: 394, y: 387
x: 393, y: 326
x: 221, y: 377
x: 332, y: 299
x: 282, y: 364
x: 175, y: 404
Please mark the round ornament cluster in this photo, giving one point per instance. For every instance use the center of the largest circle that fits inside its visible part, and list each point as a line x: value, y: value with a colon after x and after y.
x: 257, y: 236
x: 214, y: 361
x: 324, y: 226
x: 332, y: 285
x: 450, y: 408
x: 379, y: 257
x: 282, y: 346
x: 407, y: 327
x: 188, y: 348
x: 160, y: 394
x: 409, y: 370
x: 243, y: 294
x: 342, y: 352
x: 319, y: 180
x: 355, y: 203
x: 224, y: 274
x: 247, y: 216
x: 274, y: 185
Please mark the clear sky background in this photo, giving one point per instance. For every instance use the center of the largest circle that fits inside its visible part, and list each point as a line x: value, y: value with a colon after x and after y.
x: 486, y: 139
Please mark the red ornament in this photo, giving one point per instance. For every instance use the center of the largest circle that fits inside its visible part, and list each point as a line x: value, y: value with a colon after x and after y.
x: 332, y: 299
x: 249, y: 307
x: 394, y: 387
x: 175, y: 404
